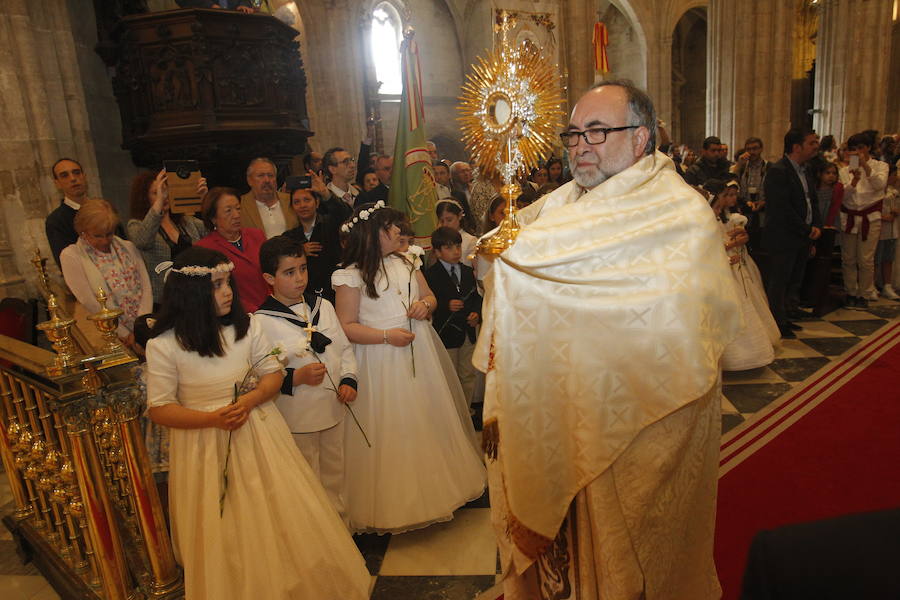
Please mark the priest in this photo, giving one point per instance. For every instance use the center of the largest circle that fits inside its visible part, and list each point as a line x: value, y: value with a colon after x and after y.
x: 603, y: 327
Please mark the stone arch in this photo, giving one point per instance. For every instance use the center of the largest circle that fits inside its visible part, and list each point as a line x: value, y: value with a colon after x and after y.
x: 625, y: 30
x: 689, y: 77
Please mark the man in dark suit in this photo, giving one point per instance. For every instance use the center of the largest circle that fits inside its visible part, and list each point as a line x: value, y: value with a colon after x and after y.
x: 792, y: 222
x: 69, y: 178
x: 384, y: 165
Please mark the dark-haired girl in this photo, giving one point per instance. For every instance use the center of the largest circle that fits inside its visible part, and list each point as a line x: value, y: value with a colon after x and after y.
x: 450, y: 214
x: 755, y: 346
x: 422, y: 465
x: 270, y: 531
x: 554, y: 168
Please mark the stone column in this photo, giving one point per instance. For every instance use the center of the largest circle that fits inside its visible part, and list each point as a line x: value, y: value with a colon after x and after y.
x: 749, y: 71
x: 52, y: 84
x: 577, y: 29
x: 852, y: 58
x: 334, y: 71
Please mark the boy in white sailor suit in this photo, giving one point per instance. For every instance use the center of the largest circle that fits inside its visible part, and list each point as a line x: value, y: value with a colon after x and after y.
x: 321, y: 366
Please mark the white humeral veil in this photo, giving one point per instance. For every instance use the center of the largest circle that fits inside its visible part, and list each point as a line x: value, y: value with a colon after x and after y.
x: 603, y: 326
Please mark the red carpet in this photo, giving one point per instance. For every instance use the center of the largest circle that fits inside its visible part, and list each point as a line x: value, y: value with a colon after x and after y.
x: 830, y: 447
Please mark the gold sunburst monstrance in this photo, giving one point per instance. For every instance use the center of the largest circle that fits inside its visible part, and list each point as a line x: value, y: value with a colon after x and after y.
x: 510, y: 110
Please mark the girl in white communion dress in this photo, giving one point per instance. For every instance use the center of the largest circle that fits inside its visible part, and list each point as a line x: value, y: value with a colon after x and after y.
x: 422, y: 464
x: 249, y: 518
x: 755, y: 346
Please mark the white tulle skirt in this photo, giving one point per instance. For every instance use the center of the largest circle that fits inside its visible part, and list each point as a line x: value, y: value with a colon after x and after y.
x: 279, y: 536
x: 755, y: 346
x: 423, y: 464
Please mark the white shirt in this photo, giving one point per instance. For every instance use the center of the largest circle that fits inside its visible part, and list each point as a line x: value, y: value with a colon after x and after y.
x: 341, y: 193
x: 308, y: 232
x: 272, y: 218
x: 443, y: 192
x: 311, y: 408
x: 868, y: 191
x: 71, y: 203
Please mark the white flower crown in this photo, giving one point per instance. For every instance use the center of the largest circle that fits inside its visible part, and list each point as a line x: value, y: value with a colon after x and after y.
x: 362, y: 216
x: 194, y: 270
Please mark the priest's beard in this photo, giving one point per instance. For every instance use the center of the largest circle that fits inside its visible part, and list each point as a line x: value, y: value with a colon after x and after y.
x: 593, y: 175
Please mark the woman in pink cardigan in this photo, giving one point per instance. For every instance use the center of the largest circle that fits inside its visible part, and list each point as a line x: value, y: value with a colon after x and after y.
x: 222, y: 215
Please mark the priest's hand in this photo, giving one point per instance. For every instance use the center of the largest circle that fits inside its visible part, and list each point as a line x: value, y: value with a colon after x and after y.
x: 399, y: 337
x: 312, y: 374
x: 346, y: 394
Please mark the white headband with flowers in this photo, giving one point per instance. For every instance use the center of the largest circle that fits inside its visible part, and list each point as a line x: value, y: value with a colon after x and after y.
x: 194, y: 270
x: 362, y: 216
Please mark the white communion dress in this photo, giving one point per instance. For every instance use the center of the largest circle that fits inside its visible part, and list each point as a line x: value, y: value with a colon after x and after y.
x: 278, y: 537
x: 422, y: 465
x: 754, y: 347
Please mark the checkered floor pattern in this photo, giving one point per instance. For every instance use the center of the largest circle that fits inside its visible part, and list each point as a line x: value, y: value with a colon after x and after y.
x: 458, y: 560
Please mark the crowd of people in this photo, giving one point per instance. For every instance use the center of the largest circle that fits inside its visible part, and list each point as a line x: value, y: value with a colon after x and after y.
x: 371, y: 424
x: 818, y: 201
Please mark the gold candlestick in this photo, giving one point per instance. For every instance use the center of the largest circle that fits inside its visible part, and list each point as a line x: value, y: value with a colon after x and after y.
x: 107, y: 322
x: 59, y: 331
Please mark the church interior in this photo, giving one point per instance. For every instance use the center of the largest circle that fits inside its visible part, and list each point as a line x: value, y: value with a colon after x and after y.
x: 120, y: 87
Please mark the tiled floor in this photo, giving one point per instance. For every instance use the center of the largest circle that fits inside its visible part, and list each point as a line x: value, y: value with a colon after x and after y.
x: 457, y: 560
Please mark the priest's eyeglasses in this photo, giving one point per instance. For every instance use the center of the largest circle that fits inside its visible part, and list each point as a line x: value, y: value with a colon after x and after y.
x: 592, y: 136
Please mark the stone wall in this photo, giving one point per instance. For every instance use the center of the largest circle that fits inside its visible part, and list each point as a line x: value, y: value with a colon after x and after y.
x: 852, y: 58
x: 56, y: 101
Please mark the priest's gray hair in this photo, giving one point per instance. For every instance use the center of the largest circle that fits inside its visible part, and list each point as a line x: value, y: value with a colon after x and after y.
x: 640, y: 107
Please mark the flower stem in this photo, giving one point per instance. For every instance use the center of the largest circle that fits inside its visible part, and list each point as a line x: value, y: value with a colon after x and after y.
x: 334, y: 388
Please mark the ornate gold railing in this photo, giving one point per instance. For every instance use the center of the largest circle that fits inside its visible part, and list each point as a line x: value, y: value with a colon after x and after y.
x: 87, y: 511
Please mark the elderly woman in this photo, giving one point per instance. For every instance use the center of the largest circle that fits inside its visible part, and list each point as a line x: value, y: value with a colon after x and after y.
x: 159, y: 234
x: 222, y: 216
x: 102, y: 260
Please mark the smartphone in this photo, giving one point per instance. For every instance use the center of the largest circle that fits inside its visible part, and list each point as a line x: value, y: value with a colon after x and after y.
x: 182, y: 178
x: 854, y: 162
x: 298, y: 182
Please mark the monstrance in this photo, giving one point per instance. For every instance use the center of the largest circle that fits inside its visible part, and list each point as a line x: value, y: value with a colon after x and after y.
x: 510, y: 107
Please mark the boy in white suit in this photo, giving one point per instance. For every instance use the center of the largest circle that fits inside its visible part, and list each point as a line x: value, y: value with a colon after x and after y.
x: 321, y: 366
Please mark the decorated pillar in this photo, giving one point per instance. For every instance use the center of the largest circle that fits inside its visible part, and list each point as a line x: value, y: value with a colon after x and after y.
x: 852, y: 60
x: 749, y: 63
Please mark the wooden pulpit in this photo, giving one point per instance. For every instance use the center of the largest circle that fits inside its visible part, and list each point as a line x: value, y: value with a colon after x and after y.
x: 216, y: 86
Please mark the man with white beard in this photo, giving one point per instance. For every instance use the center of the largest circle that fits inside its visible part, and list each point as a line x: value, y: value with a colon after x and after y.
x: 603, y: 327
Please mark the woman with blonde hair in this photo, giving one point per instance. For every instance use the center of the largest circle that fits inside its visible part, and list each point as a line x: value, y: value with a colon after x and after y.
x: 102, y: 260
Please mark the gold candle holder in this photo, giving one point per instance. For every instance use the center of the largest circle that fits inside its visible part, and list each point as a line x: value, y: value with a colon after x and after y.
x: 59, y: 331
x: 107, y: 322
x: 509, y: 226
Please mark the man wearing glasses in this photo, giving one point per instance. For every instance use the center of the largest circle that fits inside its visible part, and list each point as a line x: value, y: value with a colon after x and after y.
x: 604, y: 324
x: 340, y: 168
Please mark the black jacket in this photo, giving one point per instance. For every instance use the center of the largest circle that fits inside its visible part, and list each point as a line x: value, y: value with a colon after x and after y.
x: 452, y: 326
x: 786, y: 229
x: 322, y: 266
x: 703, y: 170
x: 60, y: 229
x: 374, y: 195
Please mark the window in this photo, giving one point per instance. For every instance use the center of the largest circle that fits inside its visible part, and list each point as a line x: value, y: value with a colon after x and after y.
x: 386, y: 37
